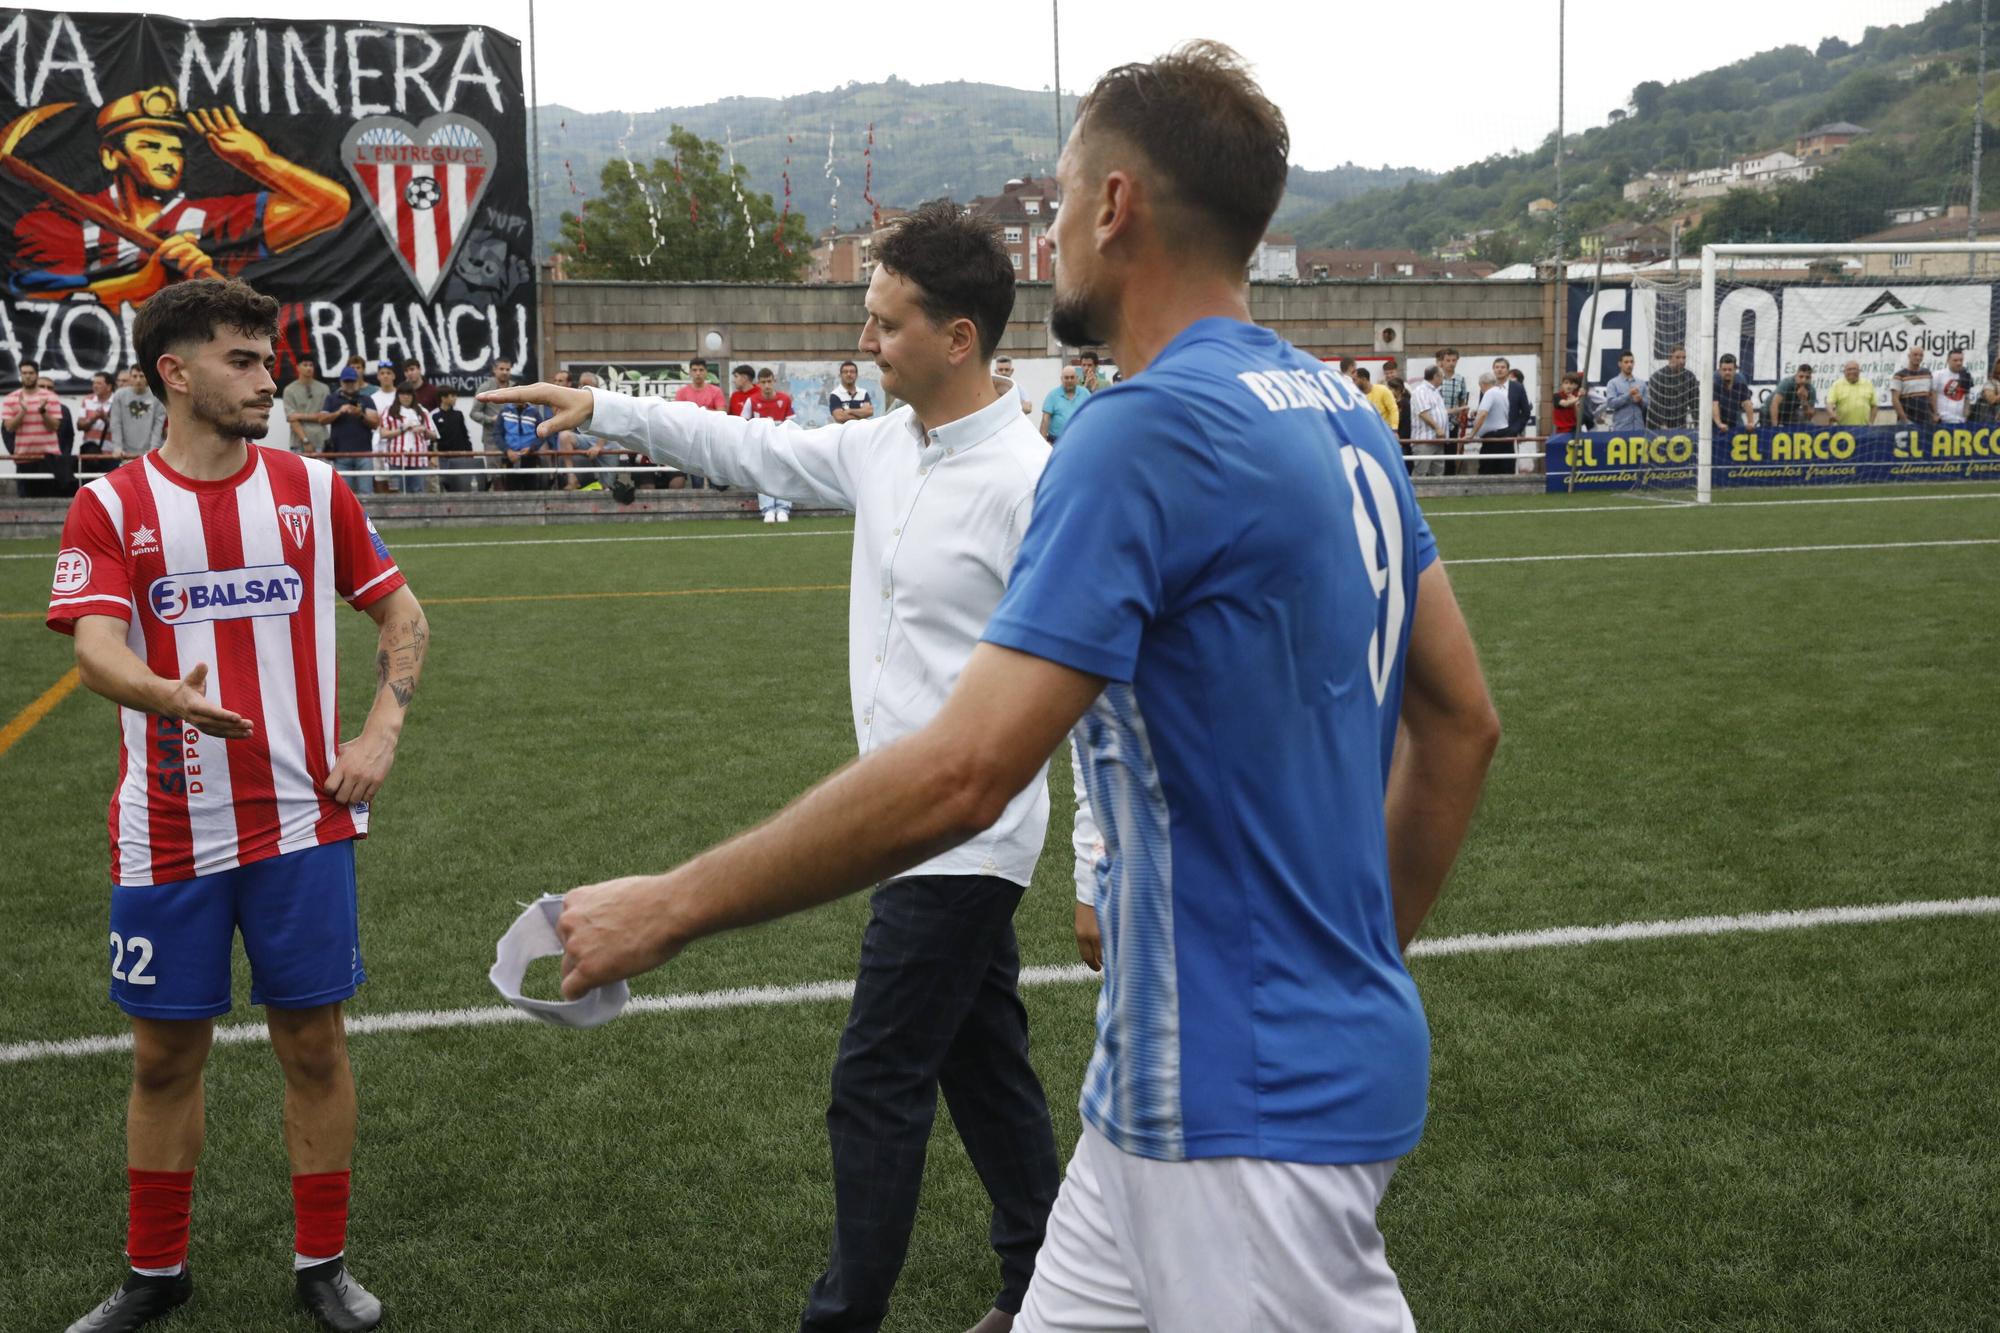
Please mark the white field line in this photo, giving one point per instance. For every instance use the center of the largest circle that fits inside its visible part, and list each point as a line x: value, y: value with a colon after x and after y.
x: 1727, y: 550
x: 759, y: 997
x: 1536, y: 512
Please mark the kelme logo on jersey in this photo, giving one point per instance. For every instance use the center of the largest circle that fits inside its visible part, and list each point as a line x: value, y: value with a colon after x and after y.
x: 226, y: 594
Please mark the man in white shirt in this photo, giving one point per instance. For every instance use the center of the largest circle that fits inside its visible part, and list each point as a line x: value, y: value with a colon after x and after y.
x: 1951, y: 390
x: 1488, y: 418
x: 1003, y: 368
x: 1427, y: 423
x: 941, y: 490
x: 381, y: 400
x: 849, y: 401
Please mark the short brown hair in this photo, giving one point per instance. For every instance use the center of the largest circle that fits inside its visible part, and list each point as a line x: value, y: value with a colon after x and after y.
x: 190, y: 312
x: 958, y: 264
x: 1203, y: 123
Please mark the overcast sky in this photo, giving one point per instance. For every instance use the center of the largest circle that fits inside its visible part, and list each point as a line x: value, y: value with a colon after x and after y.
x: 1432, y: 85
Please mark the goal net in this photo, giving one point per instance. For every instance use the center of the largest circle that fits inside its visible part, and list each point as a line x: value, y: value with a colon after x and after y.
x: 1831, y: 365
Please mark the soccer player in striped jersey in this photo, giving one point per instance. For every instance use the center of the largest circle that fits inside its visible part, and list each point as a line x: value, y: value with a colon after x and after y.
x: 201, y: 583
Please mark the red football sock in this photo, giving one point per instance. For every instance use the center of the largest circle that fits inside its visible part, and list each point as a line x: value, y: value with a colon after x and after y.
x: 319, y: 1207
x: 156, y: 1234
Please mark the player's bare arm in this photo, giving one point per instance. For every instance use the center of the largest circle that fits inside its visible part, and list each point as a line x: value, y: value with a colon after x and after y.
x: 109, y: 667
x: 303, y: 202
x: 875, y: 818
x: 404, y: 639
x: 1446, y: 739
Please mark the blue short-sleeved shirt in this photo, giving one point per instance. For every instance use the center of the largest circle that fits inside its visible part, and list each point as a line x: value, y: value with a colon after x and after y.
x: 1231, y: 541
x: 1061, y: 407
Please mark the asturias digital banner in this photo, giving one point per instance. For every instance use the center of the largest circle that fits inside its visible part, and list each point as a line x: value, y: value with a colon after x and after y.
x: 1776, y: 456
x: 371, y: 177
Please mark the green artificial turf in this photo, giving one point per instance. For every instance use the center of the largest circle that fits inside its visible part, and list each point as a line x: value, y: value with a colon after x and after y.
x: 1734, y: 1131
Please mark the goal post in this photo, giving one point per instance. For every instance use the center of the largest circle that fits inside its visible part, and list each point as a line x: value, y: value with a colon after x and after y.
x: 1803, y: 293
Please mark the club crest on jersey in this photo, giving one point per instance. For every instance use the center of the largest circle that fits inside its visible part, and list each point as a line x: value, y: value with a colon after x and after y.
x: 72, y: 571
x: 298, y: 521
x: 205, y: 595
x: 145, y: 541
x: 423, y: 183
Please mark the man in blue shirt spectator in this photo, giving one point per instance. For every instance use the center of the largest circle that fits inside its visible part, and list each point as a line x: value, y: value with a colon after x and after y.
x: 1284, y: 732
x: 350, y: 429
x: 1625, y: 397
x: 1734, y: 408
x: 521, y: 449
x: 1061, y: 404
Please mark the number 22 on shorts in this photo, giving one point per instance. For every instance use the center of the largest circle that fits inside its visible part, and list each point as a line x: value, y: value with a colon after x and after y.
x: 141, y: 952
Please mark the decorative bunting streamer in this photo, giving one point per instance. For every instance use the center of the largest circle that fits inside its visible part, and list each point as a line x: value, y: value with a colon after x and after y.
x: 736, y: 187
x: 834, y: 176
x: 868, y: 179
x: 784, y: 249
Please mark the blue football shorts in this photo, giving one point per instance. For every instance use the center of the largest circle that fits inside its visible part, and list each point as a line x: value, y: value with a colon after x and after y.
x: 170, y: 943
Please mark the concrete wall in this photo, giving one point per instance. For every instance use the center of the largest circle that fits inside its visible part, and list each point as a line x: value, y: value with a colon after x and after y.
x: 631, y: 321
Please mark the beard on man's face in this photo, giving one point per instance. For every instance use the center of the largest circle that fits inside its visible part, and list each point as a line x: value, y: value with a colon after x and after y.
x: 1075, y: 320
x: 229, y: 417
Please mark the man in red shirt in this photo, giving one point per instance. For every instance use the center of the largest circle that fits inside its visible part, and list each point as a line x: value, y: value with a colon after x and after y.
x: 703, y: 394
x: 32, y: 415
x: 743, y: 380
x: 768, y: 403
x: 200, y: 585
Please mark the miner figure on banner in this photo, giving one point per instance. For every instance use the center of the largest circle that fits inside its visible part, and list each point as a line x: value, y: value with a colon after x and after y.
x: 74, y: 242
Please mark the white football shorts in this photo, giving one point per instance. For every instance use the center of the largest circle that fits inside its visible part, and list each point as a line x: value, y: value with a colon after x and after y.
x: 1214, y: 1245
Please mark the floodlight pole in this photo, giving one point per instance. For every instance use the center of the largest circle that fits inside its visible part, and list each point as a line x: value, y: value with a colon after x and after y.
x: 1978, y: 143
x: 1562, y: 33
x: 1055, y: 42
x: 534, y: 145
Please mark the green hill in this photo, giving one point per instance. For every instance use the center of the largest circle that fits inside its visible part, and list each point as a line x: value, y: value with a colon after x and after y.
x: 1912, y: 85
x: 957, y: 139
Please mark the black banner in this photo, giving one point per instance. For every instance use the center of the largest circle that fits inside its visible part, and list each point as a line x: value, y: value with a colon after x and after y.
x: 371, y: 177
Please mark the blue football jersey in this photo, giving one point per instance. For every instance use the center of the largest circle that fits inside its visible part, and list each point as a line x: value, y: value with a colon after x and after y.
x: 1231, y: 541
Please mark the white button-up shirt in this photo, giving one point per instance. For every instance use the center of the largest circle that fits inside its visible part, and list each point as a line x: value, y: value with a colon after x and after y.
x: 938, y: 519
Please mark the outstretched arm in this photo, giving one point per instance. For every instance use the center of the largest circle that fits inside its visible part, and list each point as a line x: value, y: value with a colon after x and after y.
x: 405, y: 638
x: 752, y: 452
x: 877, y: 817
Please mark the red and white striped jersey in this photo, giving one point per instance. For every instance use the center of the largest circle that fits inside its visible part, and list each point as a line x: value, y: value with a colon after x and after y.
x: 240, y: 574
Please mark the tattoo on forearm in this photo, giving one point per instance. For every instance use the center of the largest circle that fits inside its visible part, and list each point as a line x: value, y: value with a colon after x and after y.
x: 399, y: 661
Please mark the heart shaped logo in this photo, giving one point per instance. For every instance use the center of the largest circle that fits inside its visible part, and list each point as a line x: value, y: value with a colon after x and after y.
x: 423, y: 183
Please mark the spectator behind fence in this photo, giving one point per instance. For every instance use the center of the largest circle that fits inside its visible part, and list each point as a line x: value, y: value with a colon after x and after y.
x: 407, y: 435
x: 1378, y: 396
x: 93, y: 428
x: 1452, y: 388
x: 521, y: 450
x: 1673, y: 395
x: 486, y: 416
x: 1003, y: 368
x: 1087, y: 377
x: 743, y: 387
x: 458, y: 465
x: 702, y: 392
x: 588, y: 451
x: 1569, y: 397
x: 350, y: 431
x: 31, y: 416
x: 1793, y: 403
x: 767, y: 402
x: 427, y: 393
x: 138, y: 419
x: 304, y: 398
x: 1952, y: 391
x: 1851, y: 399
x: 1428, y: 416
x: 1400, y: 391
x: 848, y: 401
x: 1986, y: 406
x: 382, y: 399
x: 1734, y: 408
x: 1911, y: 391
x: 1061, y: 404
x: 1625, y: 397
x: 1487, y: 427
x: 1520, y: 410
